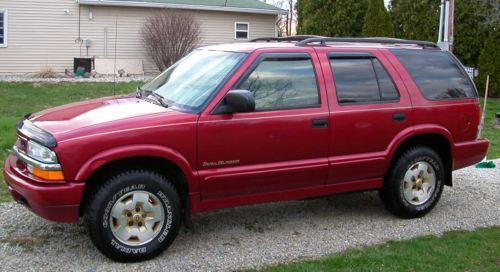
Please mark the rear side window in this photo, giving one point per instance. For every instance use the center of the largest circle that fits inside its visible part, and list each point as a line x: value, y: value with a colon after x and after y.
x: 436, y: 73
x: 281, y: 82
x: 362, y: 80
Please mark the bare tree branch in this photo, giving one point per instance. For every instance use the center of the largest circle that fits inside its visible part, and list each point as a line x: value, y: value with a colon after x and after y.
x: 168, y: 36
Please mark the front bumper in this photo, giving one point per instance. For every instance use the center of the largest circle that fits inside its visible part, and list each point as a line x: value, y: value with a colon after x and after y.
x: 56, y: 202
x: 469, y: 153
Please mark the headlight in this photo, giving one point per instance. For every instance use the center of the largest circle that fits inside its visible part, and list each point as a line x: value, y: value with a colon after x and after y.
x: 41, y: 153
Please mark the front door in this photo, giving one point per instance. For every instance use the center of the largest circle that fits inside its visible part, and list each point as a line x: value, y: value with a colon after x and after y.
x: 282, y: 145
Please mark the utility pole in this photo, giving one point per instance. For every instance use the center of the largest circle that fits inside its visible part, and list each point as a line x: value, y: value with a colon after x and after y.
x: 446, y: 22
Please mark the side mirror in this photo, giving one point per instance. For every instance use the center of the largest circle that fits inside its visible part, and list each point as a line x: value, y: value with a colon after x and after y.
x: 237, y: 101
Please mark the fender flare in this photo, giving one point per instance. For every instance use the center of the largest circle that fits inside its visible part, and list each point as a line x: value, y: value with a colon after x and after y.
x: 140, y: 150
x: 415, y: 131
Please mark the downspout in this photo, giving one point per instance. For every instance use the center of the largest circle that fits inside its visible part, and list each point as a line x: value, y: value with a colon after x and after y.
x: 441, y: 19
x: 276, y: 25
x: 105, y: 42
x: 446, y: 21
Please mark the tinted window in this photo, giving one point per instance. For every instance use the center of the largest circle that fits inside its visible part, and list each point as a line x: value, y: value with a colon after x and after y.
x: 283, y: 82
x: 387, y: 89
x: 362, y: 80
x: 436, y: 73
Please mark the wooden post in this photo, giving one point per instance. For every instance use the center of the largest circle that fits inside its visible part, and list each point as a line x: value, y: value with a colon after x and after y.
x: 481, y: 125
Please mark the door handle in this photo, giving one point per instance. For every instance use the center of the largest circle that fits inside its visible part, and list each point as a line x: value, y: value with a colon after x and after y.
x: 319, y: 123
x: 399, y: 116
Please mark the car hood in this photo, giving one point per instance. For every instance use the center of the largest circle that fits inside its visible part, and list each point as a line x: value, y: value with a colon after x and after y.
x: 93, y: 113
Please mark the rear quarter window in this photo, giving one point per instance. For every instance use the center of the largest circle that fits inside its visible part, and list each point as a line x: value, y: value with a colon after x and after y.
x: 438, y: 74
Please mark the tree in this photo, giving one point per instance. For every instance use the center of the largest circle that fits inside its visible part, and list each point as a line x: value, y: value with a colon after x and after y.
x: 416, y: 20
x: 470, y: 30
x: 285, y: 23
x: 169, y: 35
x: 377, y: 21
x: 331, y: 17
x: 489, y: 64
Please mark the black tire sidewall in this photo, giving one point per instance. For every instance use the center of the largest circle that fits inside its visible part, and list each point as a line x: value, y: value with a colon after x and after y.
x: 436, y: 163
x: 119, y: 186
x: 392, y: 191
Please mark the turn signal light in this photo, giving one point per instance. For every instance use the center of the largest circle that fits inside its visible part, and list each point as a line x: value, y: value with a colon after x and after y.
x: 49, y: 175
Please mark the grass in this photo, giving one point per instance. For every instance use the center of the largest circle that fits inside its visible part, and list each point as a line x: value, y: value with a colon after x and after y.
x: 474, y: 251
x: 18, y: 99
x: 490, y: 132
x: 454, y: 251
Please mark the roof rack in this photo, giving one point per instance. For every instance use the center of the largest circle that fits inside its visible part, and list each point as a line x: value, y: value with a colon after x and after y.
x: 297, y: 38
x: 324, y: 40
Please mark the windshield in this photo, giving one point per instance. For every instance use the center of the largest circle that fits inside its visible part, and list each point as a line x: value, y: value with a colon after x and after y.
x: 189, y: 83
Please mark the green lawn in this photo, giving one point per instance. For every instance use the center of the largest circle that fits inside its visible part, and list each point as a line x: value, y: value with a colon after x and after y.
x: 490, y: 132
x: 454, y: 251
x: 475, y: 251
x: 18, y: 99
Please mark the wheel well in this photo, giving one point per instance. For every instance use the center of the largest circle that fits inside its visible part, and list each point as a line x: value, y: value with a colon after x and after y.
x: 435, y: 141
x: 159, y: 165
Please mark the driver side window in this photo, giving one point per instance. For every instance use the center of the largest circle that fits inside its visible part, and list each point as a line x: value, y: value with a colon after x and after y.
x: 283, y: 82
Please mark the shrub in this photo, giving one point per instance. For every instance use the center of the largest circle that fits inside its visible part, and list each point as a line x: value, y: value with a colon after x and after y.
x: 46, y: 73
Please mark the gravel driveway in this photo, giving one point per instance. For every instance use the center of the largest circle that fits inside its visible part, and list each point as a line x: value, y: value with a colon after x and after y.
x: 257, y: 235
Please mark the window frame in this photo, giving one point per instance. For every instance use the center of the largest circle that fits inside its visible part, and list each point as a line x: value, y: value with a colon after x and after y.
x: 5, y: 27
x: 371, y: 57
x: 262, y: 57
x: 236, y: 31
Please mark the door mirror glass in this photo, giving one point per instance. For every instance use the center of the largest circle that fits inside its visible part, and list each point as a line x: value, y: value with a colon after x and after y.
x: 237, y: 101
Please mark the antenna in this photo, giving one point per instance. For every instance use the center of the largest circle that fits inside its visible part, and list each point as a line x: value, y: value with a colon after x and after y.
x: 114, y: 65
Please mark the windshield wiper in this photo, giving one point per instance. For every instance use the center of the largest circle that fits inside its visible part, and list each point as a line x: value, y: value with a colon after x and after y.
x: 146, y: 93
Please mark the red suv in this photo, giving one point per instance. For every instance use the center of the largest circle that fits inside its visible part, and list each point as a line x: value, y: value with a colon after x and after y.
x: 246, y: 123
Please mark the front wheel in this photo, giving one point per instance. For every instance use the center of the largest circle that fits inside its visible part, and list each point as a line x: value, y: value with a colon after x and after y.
x: 134, y: 216
x: 414, y: 184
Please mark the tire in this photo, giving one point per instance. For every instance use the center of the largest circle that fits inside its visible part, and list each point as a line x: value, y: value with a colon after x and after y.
x: 414, y: 184
x: 134, y: 216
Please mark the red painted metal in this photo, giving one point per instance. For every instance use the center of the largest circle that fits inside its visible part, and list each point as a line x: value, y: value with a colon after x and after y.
x: 246, y: 158
x: 57, y: 202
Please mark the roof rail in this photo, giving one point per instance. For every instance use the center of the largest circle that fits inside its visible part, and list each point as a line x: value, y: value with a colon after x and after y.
x: 296, y: 38
x: 324, y: 40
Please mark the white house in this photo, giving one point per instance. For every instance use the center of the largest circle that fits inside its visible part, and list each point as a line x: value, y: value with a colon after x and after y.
x: 37, y: 35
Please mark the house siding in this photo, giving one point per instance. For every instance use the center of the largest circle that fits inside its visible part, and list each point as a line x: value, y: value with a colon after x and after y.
x: 44, y: 36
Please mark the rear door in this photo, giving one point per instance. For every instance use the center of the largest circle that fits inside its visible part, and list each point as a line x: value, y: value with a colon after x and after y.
x: 283, y: 145
x: 369, y: 107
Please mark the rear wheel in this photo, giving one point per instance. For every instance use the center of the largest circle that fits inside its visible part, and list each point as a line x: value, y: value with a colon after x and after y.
x: 414, y: 184
x: 134, y: 216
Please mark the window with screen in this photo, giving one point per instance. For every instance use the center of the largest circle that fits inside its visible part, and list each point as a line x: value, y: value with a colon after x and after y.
x: 3, y: 28
x: 362, y: 80
x: 242, y: 31
x: 283, y: 82
x: 437, y: 74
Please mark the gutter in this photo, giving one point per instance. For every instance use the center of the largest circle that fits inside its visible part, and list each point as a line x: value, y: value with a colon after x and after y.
x: 178, y: 6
